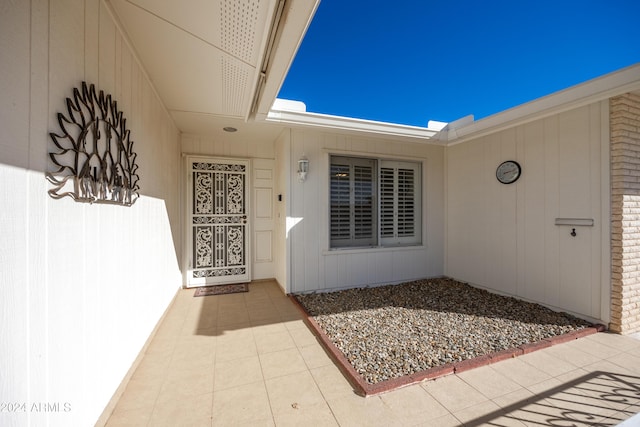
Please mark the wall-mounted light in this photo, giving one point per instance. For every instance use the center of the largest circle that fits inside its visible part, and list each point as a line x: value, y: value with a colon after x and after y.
x: 303, y: 168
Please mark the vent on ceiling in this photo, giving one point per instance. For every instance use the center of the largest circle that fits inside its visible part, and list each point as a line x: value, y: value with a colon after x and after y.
x: 235, y: 79
x: 238, y: 26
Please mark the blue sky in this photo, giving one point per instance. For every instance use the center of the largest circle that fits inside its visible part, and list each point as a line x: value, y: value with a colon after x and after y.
x: 413, y: 61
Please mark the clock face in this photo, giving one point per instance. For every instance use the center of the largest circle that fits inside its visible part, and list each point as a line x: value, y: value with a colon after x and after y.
x: 508, y: 172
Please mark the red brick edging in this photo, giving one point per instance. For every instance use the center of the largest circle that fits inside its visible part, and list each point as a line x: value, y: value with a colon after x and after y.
x: 365, y: 389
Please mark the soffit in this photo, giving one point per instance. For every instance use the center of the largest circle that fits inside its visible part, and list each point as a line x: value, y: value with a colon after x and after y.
x: 205, y: 57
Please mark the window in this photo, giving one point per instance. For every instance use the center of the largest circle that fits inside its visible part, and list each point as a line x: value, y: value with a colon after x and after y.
x: 374, y: 202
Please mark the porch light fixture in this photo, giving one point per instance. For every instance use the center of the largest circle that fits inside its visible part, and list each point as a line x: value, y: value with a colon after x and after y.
x: 229, y: 129
x: 303, y: 168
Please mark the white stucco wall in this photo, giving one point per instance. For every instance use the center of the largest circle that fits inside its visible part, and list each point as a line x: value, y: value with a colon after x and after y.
x: 504, y: 237
x: 82, y: 286
x: 312, y: 265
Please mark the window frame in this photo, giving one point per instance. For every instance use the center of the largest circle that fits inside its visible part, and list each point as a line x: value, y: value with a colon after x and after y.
x: 378, y: 241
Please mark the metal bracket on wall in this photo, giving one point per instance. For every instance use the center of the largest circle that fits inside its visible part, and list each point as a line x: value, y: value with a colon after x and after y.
x: 575, y: 222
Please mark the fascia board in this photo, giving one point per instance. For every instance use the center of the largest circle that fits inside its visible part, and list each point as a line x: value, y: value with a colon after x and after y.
x: 613, y: 84
x: 296, y: 22
x: 346, y: 124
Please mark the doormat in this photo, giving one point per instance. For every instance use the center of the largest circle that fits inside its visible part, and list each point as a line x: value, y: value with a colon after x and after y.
x: 221, y: 289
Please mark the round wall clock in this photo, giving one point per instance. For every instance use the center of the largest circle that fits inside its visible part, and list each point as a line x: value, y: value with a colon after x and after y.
x: 508, y: 172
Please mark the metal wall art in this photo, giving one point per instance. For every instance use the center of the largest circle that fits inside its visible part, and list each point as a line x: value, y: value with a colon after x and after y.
x: 94, y: 161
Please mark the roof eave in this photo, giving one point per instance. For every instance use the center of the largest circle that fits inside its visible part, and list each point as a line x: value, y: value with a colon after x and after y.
x: 598, y: 89
x: 325, y: 122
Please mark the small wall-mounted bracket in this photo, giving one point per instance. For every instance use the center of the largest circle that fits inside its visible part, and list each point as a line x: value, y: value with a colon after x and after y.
x: 578, y: 222
x: 575, y: 222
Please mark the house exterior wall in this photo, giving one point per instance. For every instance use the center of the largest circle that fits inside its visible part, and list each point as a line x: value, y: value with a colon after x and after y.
x: 313, y: 266
x: 625, y: 213
x: 263, y: 198
x: 83, y: 286
x: 504, y: 237
x: 282, y: 188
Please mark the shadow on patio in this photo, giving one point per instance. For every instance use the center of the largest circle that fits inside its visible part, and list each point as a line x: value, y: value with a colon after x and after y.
x: 249, y: 359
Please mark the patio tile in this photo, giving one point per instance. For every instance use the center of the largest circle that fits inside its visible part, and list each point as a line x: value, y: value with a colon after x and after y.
x: 263, y: 313
x: 547, y: 363
x: 516, y: 398
x: 520, y: 372
x: 234, y: 373
x: 596, y: 347
x: 187, y: 384
x: 131, y: 418
x: 277, y: 341
x: 236, y: 345
x: 152, y: 368
x: 268, y: 369
x: 233, y: 317
x: 194, y: 411
x: 413, y: 403
x: 331, y: 382
x: 489, y: 382
x: 570, y: 353
x: 444, y: 421
x: 263, y: 326
x: 486, y: 413
x: 280, y: 363
x: 315, y: 356
x: 296, y: 400
x: 573, y: 396
x: 292, y: 392
x: 244, y: 404
x: 303, y: 337
x: 615, y: 341
x: 453, y: 393
x: 139, y: 394
x: 628, y: 361
x: 352, y: 410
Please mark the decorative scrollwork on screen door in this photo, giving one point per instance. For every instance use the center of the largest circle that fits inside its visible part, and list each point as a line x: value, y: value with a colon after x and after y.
x: 219, y: 217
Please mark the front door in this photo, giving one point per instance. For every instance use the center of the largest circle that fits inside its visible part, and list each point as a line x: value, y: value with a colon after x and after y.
x: 217, y: 242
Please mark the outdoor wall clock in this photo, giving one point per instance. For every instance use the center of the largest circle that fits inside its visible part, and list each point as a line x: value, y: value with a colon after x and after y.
x: 508, y: 172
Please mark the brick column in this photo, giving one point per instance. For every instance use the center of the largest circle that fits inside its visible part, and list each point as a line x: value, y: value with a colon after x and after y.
x: 624, y: 116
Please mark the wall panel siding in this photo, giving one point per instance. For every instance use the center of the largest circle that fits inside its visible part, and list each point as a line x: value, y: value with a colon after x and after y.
x: 313, y: 265
x: 510, y: 243
x: 83, y: 285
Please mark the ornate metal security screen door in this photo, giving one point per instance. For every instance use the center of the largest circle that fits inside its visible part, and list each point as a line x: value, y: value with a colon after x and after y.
x: 218, y: 212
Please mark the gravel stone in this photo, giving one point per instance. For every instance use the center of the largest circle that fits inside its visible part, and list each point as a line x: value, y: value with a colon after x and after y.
x: 391, y: 331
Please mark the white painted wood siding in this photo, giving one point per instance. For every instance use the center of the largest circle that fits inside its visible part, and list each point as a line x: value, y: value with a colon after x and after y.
x: 312, y: 265
x: 504, y: 237
x: 83, y: 286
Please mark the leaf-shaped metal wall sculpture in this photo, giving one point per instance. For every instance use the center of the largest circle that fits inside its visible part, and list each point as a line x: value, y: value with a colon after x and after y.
x: 94, y: 161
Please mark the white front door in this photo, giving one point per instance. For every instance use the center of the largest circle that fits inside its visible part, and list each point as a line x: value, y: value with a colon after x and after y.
x: 217, y: 239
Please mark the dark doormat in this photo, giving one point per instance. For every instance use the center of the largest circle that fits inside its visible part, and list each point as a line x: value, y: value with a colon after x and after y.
x: 222, y: 289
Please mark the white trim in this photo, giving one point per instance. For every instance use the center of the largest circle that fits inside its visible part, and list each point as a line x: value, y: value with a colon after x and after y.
x: 598, y: 89
x: 350, y: 125
x: 605, y: 228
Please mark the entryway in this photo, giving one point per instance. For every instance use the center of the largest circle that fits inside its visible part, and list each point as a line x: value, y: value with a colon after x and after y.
x: 217, y: 239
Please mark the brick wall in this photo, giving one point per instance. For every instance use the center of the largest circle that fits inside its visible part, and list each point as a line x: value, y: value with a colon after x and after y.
x: 625, y: 213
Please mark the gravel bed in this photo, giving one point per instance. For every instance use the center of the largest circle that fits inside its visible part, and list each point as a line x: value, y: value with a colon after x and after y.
x: 391, y: 331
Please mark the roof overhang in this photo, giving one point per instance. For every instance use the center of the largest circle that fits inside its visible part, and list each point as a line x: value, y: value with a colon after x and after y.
x: 619, y: 82
x: 348, y: 125
x: 221, y: 59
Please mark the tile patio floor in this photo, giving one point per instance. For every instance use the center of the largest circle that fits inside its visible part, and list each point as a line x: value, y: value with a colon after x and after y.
x: 248, y: 359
